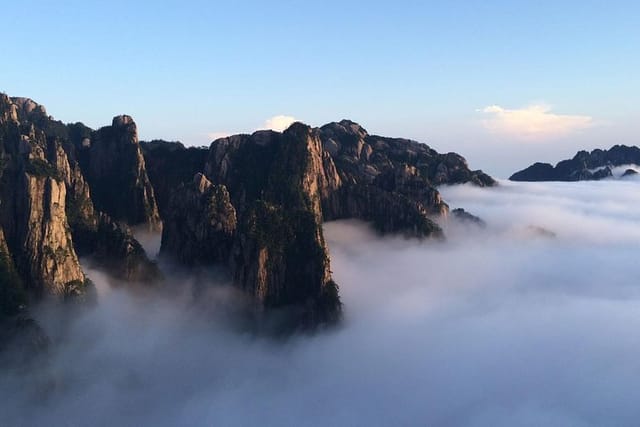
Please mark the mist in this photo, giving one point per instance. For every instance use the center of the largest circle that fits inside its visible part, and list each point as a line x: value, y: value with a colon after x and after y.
x: 532, y: 320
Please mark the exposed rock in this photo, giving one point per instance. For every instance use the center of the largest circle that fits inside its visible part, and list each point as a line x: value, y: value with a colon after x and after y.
x: 115, y: 170
x: 398, y: 176
x: 584, y: 166
x: 283, y: 186
x: 170, y: 164
x: 276, y: 182
x: 46, y: 207
x: 32, y: 212
x: 630, y: 172
x: 201, y: 223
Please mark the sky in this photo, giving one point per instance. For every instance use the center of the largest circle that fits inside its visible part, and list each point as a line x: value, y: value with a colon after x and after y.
x: 504, y: 83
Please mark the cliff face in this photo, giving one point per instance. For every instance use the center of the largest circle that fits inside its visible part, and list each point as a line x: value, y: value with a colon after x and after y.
x: 283, y: 186
x: 112, y: 162
x: 276, y: 252
x: 47, y: 214
x: 201, y: 223
x: 254, y: 203
x: 170, y: 164
x: 33, y: 209
x: 584, y: 166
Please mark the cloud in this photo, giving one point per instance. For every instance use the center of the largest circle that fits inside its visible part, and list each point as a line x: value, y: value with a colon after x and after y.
x: 492, y: 327
x: 535, y: 122
x: 279, y: 123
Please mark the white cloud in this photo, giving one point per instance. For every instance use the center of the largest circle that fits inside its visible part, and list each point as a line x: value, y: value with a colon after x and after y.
x: 279, y: 123
x: 488, y: 328
x: 533, y: 122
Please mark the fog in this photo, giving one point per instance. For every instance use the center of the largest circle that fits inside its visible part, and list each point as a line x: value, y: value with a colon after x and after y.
x: 530, y: 321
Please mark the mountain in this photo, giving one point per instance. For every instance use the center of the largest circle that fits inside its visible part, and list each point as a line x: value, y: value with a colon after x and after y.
x: 584, y: 166
x: 254, y: 204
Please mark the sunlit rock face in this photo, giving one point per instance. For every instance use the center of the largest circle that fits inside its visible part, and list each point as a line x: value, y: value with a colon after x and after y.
x: 33, y: 202
x: 585, y: 166
x: 47, y: 211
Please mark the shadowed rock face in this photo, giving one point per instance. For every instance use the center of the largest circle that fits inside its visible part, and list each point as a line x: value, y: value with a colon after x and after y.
x: 283, y: 186
x: 276, y: 182
x: 584, y: 166
x: 170, y: 164
x: 200, y: 223
x: 115, y: 169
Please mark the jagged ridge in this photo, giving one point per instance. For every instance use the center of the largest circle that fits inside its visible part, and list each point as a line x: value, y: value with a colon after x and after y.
x: 584, y: 166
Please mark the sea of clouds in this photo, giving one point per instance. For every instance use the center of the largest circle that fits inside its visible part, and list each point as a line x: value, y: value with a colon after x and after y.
x: 533, y: 320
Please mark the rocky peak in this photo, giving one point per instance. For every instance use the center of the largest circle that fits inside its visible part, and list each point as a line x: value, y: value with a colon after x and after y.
x: 116, y: 172
x: 123, y: 121
x: 585, y: 165
x: 27, y: 109
x: 8, y: 110
x: 201, y: 223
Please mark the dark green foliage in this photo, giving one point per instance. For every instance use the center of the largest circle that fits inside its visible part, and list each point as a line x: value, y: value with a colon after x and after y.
x: 41, y: 168
x: 74, y: 289
x: 12, y: 293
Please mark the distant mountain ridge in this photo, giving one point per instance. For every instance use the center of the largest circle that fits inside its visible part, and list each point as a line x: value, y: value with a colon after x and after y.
x: 584, y: 166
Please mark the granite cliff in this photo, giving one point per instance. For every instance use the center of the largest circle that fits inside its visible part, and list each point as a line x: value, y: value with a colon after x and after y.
x: 584, y: 166
x: 254, y: 204
x: 280, y: 187
x: 48, y: 217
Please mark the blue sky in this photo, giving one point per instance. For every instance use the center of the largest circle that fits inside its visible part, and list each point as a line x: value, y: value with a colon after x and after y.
x: 502, y: 82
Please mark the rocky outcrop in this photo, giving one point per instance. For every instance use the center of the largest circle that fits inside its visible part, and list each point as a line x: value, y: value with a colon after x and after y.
x: 201, y: 223
x: 391, y: 181
x: 276, y: 183
x: 584, y: 166
x: 254, y: 203
x: 112, y: 162
x: 12, y: 293
x: 46, y: 207
x: 282, y: 186
x: 33, y: 209
x: 169, y: 165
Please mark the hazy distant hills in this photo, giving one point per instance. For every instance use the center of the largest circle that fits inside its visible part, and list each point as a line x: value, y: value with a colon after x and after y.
x: 618, y: 161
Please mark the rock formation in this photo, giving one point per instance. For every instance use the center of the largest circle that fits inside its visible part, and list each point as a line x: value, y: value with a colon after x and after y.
x: 170, y: 164
x: 200, y: 223
x: 47, y: 214
x: 282, y: 186
x: 584, y: 166
x: 33, y: 209
x: 253, y: 203
x: 112, y: 161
